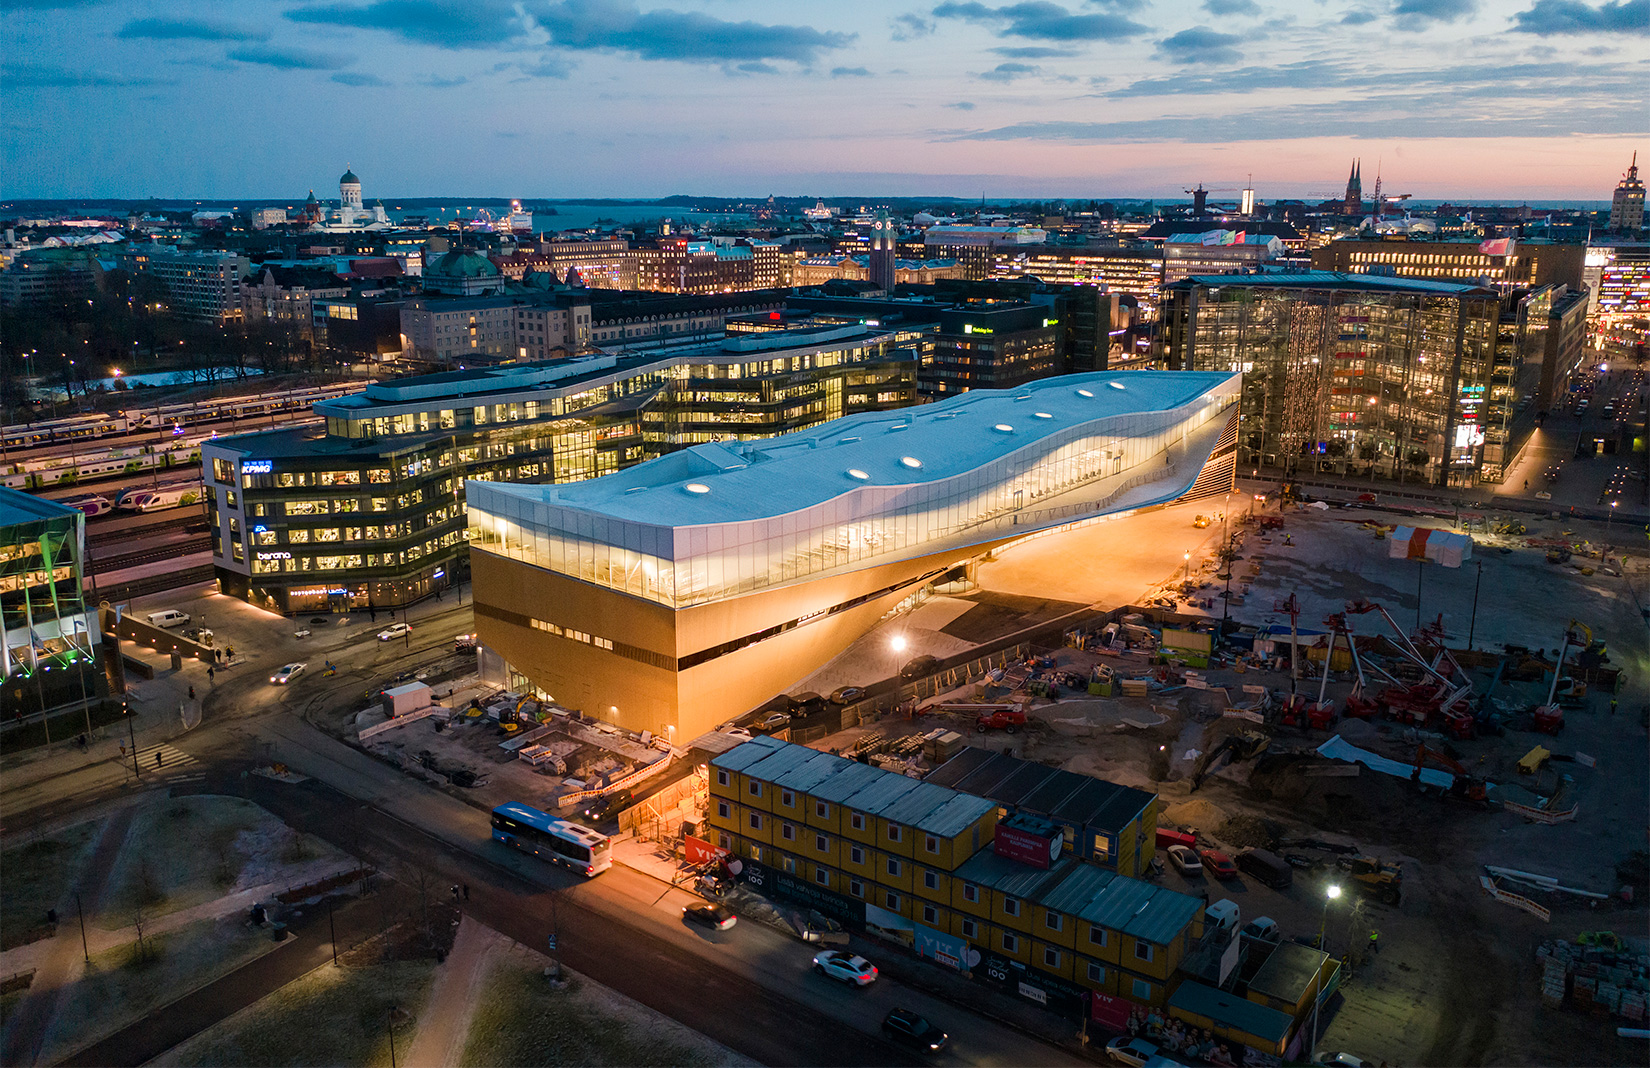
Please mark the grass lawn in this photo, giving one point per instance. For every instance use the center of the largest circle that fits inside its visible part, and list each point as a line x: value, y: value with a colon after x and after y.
x: 189, y: 850
x: 332, y: 1016
x: 118, y: 990
x: 520, y: 1020
x: 39, y: 876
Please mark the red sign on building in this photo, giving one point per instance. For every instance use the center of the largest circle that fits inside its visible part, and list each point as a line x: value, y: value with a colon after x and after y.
x: 700, y: 851
x: 1037, y: 850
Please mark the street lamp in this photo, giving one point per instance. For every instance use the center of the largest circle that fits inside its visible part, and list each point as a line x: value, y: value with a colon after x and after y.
x: 897, y: 644
x: 1331, y: 892
x: 1187, y: 556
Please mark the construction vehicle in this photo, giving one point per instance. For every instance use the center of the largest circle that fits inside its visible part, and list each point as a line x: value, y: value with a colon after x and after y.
x: 1549, y: 717
x: 1244, y: 746
x: 1465, y: 786
x: 1003, y: 719
x: 1375, y: 877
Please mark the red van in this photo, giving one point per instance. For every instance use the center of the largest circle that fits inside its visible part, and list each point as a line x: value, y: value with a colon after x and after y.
x: 1167, y: 838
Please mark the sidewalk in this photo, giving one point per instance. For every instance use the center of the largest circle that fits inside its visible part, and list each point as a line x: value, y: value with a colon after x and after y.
x: 897, y: 963
x: 441, y: 1033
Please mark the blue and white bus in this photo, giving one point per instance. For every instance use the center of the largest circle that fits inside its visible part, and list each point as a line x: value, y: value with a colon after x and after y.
x: 543, y: 835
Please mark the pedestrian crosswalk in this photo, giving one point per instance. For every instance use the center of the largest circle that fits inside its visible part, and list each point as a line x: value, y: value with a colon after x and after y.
x: 158, y: 758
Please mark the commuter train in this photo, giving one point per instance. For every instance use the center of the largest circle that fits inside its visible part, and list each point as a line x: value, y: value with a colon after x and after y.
x: 176, y: 416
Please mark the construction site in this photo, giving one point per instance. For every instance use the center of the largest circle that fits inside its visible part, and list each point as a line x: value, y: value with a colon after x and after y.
x: 1444, y: 718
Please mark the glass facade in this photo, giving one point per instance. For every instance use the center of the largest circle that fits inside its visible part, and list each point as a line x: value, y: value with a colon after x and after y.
x: 860, y: 524
x: 48, y: 651
x: 1413, y: 382
x: 373, y: 514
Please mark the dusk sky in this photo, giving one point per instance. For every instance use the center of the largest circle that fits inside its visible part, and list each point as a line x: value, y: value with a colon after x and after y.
x: 1528, y: 99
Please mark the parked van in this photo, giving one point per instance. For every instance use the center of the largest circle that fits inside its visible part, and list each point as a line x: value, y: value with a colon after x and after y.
x: 168, y: 619
x: 1167, y: 838
x: 1223, y: 914
x: 1269, y: 868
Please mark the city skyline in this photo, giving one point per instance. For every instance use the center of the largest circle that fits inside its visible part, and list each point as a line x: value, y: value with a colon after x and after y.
x: 1460, y: 99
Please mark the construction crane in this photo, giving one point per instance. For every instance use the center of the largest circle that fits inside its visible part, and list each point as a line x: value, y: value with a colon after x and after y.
x: 1414, y: 703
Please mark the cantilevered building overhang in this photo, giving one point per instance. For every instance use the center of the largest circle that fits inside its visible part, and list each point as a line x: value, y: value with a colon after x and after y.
x: 688, y: 589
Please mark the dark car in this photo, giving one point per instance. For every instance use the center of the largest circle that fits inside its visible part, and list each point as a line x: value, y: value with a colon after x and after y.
x: 606, y: 805
x: 806, y: 704
x: 320, y: 621
x: 847, y: 695
x: 716, y: 917
x: 922, y: 665
x: 466, y: 778
x: 911, y: 1029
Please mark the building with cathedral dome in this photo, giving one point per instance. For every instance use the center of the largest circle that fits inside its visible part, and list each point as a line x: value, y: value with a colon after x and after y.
x: 352, y: 213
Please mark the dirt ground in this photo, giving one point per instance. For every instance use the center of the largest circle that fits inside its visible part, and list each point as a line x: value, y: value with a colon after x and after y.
x: 1455, y: 980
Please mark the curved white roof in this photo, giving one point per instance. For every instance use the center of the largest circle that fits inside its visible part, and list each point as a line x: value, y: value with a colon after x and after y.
x: 738, y: 481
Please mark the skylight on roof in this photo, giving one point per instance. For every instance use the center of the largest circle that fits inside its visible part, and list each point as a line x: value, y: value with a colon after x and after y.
x: 910, y: 461
x: 696, y: 487
x: 1004, y: 428
x: 1117, y: 385
x: 854, y: 472
x: 1084, y: 393
x: 1042, y: 415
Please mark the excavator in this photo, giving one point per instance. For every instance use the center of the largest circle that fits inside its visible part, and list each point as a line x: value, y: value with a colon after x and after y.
x: 1375, y: 877
x: 1465, y: 787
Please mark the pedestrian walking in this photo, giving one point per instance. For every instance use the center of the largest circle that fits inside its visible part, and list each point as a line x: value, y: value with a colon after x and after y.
x: 160, y: 761
x: 211, y: 674
x: 1375, y: 942
x: 466, y: 891
x: 123, y: 750
x: 455, y: 893
x: 1612, y: 706
x: 191, y: 693
x: 81, y: 741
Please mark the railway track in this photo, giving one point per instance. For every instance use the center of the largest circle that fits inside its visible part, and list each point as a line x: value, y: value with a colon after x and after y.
x: 101, y: 532
x: 126, y: 591
x: 110, y: 564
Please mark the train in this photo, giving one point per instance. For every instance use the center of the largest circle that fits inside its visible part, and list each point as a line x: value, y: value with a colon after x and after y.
x: 153, y: 500
x: 99, y: 425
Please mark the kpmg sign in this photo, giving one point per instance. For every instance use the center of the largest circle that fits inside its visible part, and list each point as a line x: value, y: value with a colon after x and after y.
x: 257, y: 467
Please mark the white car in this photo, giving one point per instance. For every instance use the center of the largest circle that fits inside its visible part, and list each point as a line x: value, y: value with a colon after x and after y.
x: 1184, y: 860
x: 394, y: 631
x: 286, y: 673
x: 844, y: 966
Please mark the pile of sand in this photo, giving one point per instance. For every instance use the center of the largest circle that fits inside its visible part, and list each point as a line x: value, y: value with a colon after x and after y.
x: 1204, y: 815
x: 1247, y: 830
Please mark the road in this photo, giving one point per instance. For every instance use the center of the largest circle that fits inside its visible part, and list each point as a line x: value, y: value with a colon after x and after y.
x: 750, y: 988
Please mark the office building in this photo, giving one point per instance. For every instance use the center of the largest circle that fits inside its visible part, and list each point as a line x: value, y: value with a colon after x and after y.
x: 967, y: 882
x: 681, y: 265
x: 980, y: 343
x: 684, y: 591
x: 1627, y: 202
x: 199, y: 285
x: 1217, y: 252
x: 370, y: 511
x: 40, y: 277
x: 1618, y: 275
x: 1134, y: 272
x: 48, y: 629
x: 811, y: 271
x: 1354, y: 374
x: 1501, y: 263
